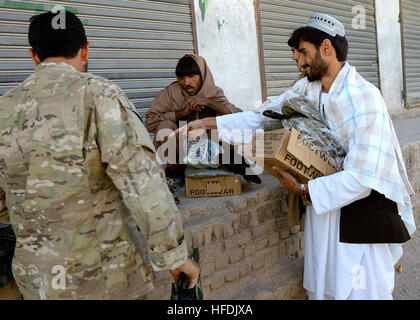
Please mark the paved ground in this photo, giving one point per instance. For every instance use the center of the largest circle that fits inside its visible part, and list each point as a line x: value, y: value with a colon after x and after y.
x: 407, y: 130
x: 407, y: 283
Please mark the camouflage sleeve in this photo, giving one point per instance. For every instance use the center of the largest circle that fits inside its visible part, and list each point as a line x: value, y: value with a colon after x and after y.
x: 4, y: 213
x: 132, y: 165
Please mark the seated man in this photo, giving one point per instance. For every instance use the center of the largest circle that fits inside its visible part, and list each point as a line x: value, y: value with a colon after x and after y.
x: 193, y: 96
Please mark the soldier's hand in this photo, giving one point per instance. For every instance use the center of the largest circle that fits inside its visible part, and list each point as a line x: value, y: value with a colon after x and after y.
x: 191, y: 270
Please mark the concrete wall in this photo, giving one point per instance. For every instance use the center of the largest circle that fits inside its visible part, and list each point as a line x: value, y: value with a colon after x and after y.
x: 389, y: 53
x: 227, y: 39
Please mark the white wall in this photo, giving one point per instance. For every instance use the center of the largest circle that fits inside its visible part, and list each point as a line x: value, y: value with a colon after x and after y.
x: 227, y: 39
x: 389, y: 53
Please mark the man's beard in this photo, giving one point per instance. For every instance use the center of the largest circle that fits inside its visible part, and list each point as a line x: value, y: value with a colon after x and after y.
x: 317, y: 69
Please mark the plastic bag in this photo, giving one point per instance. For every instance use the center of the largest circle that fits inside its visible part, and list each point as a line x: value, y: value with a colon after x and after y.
x: 202, y: 154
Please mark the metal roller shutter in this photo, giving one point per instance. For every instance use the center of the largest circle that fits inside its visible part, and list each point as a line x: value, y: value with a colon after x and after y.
x: 278, y: 20
x: 411, y: 40
x: 134, y: 43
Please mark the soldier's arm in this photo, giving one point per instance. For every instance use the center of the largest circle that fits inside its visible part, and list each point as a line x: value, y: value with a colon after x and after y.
x: 131, y: 163
x: 4, y: 213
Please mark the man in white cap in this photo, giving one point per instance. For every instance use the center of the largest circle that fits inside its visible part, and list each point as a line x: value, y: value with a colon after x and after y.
x: 358, y: 264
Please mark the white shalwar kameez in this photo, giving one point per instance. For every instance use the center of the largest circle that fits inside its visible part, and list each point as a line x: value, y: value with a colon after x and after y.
x: 355, y: 110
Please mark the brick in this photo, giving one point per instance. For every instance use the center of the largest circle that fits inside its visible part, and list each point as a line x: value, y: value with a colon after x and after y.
x: 258, y: 231
x: 273, y: 239
x: 237, y: 205
x: 301, y: 240
x: 236, y: 225
x: 295, y: 243
x: 221, y: 261
x: 268, y: 260
x: 276, y: 192
x: 261, y: 244
x: 252, y: 201
x: 206, y: 269
x: 217, y: 280
x: 264, y: 195
x: 276, y: 207
x: 209, y: 254
x: 269, y: 211
x: 230, y: 244
x: 227, y: 229
x: 275, y: 253
x: 217, y: 232
x: 283, y: 222
x: 206, y: 292
x: 245, y: 220
x: 271, y: 224
x: 188, y: 239
x: 253, y: 218
x: 282, y: 248
x: 161, y: 292
x: 196, y: 211
x: 245, y: 267
x: 261, y: 216
x: 232, y: 273
x: 289, y: 247
x: 294, y: 229
x: 243, y: 238
x: 197, y: 238
x: 236, y: 255
x: 284, y: 207
x: 185, y: 214
x: 249, y: 249
x: 206, y: 281
x: 300, y: 254
x: 258, y: 262
x: 207, y: 231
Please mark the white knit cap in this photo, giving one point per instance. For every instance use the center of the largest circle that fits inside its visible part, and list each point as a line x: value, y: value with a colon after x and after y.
x: 326, y: 23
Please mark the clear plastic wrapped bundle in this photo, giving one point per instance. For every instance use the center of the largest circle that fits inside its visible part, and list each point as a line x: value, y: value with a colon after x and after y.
x: 321, y: 137
x: 205, y: 158
x: 203, y: 154
x: 292, y: 110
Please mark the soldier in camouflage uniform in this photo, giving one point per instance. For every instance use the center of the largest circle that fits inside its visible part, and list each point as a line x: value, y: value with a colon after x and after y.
x: 77, y: 165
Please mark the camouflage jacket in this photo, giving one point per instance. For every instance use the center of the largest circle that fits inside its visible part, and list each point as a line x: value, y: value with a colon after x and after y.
x: 76, y: 166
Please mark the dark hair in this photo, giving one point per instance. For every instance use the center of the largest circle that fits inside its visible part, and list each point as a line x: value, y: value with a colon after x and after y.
x: 316, y: 37
x: 187, y: 67
x: 48, y: 41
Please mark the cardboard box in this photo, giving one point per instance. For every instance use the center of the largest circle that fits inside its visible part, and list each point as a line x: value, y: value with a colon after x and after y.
x: 213, y: 186
x: 289, y: 150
